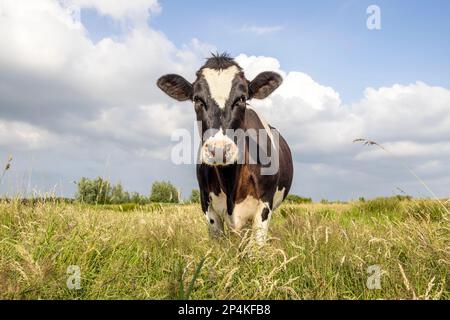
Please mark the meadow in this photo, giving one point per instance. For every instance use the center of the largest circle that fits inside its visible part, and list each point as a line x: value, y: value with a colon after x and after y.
x: 162, y: 251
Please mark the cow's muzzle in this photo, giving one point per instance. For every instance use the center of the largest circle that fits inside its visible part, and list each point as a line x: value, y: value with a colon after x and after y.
x: 219, y: 150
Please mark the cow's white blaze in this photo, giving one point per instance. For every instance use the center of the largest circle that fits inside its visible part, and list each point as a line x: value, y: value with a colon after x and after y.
x: 220, y: 83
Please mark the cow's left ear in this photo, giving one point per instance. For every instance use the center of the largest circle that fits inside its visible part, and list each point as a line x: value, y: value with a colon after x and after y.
x: 264, y: 84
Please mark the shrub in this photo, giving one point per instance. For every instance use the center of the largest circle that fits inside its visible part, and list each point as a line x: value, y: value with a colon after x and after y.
x: 139, y: 199
x: 292, y: 198
x: 403, y: 197
x: 100, y: 191
x: 195, y: 196
x: 163, y: 191
x: 381, y: 205
x: 426, y: 209
x: 118, y: 196
x: 93, y: 191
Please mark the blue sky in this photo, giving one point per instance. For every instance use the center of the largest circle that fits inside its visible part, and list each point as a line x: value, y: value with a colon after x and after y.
x: 325, y: 39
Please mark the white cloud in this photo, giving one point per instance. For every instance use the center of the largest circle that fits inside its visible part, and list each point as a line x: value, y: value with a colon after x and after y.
x: 254, y: 65
x: 408, y: 149
x: 39, y: 36
x: 24, y: 136
x: 406, y: 112
x: 69, y: 81
x: 135, y: 10
x: 261, y: 30
x: 411, y: 121
x: 306, y: 109
x: 309, y: 114
x: 433, y: 167
x: 74, y: 103
x: 141, y: 127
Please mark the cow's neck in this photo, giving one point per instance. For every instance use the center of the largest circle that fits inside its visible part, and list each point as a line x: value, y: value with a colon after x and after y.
x: 227, y: 177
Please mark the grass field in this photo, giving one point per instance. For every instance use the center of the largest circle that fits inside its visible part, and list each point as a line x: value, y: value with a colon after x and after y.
x: 315, y: 251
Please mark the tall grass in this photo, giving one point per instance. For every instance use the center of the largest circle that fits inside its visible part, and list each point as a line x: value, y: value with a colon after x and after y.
x: 315, y: 251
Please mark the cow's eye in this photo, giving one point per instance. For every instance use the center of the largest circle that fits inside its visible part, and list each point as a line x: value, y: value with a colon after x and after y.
x: 239, y: 100
x: 199, y: 101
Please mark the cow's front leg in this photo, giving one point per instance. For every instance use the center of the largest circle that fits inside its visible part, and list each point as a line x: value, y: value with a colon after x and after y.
x: 261, y: 224
x: 215, y: 224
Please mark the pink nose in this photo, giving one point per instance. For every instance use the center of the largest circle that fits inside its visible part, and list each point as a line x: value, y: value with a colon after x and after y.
x: 213, y: 149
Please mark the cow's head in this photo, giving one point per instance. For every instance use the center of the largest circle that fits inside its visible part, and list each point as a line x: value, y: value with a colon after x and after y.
x: 220, y: 93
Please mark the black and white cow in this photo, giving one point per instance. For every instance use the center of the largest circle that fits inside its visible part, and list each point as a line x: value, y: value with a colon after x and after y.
x: 234, y: 192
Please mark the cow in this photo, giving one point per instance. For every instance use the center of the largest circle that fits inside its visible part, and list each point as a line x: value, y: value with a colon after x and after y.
x: 233, y: 189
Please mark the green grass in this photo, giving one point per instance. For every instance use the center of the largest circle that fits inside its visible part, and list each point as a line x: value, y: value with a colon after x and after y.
x: 315, y: 251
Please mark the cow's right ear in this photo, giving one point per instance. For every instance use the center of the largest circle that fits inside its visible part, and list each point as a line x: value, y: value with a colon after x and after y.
x: 176, y: 87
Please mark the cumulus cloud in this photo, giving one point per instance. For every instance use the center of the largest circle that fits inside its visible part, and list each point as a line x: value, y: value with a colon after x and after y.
x: 416, y: 111
x: 411, y: 121
x: 68, y: 99
x: 261, y: 30
x: 24, y: 136
x: 136, y: 11
x: 54, y: 76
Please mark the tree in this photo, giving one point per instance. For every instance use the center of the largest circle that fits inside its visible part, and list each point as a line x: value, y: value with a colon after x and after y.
x: 93, y: 191
x: 195, y: 196
x: 138, y: 198
x: 100, y: 191
x: 292, y: 198
x: 163, y: 191
x: 118, y: 195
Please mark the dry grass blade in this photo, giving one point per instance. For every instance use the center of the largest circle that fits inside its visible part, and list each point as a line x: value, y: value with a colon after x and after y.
x: 6, y: 168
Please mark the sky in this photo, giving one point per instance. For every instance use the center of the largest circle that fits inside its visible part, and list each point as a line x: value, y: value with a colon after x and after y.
x: 78, y: 95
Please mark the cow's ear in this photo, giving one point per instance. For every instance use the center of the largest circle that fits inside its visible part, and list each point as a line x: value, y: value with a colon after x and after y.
x: 264, y: 84
x: 176, y: 87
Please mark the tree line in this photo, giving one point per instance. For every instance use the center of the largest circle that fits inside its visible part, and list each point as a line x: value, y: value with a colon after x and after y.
x: 101, y: 191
